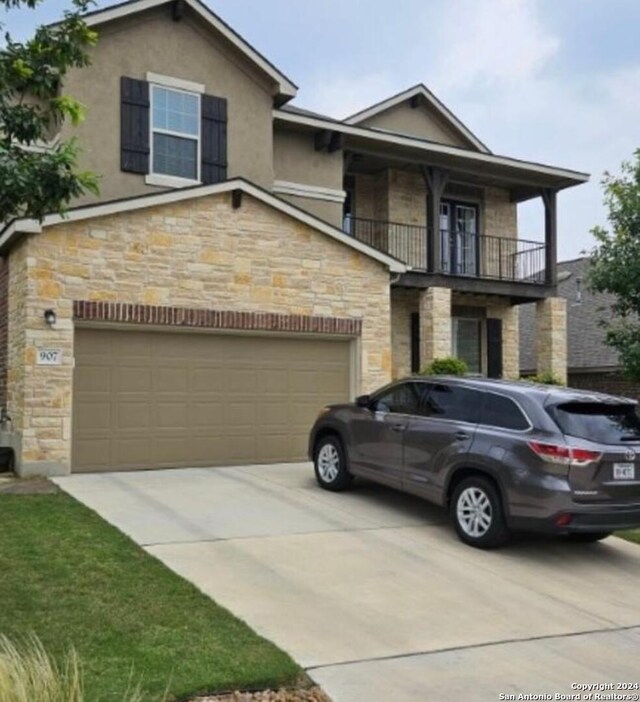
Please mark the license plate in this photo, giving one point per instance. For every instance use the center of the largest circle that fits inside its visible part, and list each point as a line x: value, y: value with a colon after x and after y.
x: 624, y: 471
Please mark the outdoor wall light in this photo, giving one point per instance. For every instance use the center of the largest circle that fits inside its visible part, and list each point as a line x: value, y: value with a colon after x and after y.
x: 50, y: 317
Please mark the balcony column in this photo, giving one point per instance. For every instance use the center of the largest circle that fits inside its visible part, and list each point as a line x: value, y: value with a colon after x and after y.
x: 551, y: 337
x: 549, y: 198
x: 509, y: 317
x: 436, y: 180
x: 435, y: 324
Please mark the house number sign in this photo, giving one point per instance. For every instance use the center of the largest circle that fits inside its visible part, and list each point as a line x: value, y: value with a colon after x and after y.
x: 49, y: 357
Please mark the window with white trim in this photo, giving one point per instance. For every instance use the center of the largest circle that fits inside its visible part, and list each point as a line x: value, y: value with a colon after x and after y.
x: 175, y: 133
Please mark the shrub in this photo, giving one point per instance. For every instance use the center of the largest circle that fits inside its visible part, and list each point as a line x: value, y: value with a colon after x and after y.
x: 446, y: 366
x: 543, y: 379
x: 29, y: 674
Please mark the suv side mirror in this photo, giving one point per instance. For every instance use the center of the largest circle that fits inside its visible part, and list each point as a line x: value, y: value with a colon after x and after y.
x: 363, y: 401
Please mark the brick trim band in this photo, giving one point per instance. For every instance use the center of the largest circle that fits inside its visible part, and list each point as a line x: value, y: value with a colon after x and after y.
x: 123, y: 313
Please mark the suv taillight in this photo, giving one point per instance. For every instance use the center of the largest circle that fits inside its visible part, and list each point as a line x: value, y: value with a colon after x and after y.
x: 564, y: 455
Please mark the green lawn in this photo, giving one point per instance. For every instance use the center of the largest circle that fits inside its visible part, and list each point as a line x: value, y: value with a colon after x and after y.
x: 633, y: 535
x: 71, y: 578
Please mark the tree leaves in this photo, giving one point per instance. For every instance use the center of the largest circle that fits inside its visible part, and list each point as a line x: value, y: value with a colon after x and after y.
x: 37, y: 178
x: 615, y: 264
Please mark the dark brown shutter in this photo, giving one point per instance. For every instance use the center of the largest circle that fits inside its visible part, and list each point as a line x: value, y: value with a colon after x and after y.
x: 214, y: 139
x: 134, y: 125
x: 494, y: 348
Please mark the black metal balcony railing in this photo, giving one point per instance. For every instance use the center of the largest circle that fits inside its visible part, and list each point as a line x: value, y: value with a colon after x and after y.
x: 461, y: 253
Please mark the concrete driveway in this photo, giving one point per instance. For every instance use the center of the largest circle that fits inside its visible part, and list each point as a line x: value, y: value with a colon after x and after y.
x: 371, y: 591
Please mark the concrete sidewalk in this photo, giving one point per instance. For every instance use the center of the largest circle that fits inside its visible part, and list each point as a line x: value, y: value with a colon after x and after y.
x: 372, y: 592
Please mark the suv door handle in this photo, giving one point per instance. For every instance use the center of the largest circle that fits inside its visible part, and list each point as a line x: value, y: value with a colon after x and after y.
x: 461, y: 435
x: 398, y: 427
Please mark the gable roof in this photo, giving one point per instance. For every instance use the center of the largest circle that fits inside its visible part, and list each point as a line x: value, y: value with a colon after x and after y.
x: 586, y: 345
x: 419, y: 91
x: 296, y: 110
x: 527, y: 173
x: 286, y: 88
x: 19, y: 227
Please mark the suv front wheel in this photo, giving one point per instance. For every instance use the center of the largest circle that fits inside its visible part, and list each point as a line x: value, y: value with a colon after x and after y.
x: 331, y: 464
x: 477, y: 513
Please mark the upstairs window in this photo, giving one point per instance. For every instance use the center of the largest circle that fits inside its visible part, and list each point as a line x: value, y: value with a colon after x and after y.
x: 172, y: 132
x: 175, y: 133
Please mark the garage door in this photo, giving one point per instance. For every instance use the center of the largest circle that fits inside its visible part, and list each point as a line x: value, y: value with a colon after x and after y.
x: 158, y: 399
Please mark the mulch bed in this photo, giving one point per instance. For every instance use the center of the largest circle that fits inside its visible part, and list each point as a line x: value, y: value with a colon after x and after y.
x: 310, y: 694
x: 12, y: 485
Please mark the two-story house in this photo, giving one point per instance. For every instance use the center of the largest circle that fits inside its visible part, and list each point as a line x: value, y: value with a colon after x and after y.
x: 248, y: 261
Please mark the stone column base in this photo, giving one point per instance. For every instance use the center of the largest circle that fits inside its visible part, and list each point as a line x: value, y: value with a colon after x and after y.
x: 510, y: 316
x: 30, y: 469
x: 551, y: 337
x: 435, y: 324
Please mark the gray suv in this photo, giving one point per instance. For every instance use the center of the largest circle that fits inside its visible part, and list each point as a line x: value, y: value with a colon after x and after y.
x: 499, y: 455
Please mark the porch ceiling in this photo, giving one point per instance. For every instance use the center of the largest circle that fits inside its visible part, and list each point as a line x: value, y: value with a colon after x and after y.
x: 369, y: 157
x: 370, y: 163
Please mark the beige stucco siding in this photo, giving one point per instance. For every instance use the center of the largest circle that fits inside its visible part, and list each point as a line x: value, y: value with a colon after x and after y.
x: 330, y: 212
x: 296, y: 161
x: 421, y: 122
x: 201, y: 254
x: 152, y: 41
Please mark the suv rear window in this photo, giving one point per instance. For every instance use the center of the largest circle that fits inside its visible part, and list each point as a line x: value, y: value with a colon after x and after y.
x: 500, y: 411
x: 598, y: 421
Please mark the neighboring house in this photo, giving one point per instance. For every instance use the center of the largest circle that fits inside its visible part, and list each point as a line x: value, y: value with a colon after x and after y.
x: 591, y: 363
x: 249, y: 261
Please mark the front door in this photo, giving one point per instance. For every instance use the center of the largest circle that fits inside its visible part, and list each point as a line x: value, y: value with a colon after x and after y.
x: 440, y: 438
x: 377, y: 449
x: 459, y: 238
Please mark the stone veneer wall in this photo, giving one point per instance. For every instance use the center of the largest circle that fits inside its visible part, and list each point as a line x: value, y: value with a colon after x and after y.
x: 199, y: 253
x: 435, y: 324
x: 407, y: 194
x: 510, y: 316
x: 17, y: 356
x: 407, y: 204
x: 499, y: 218
x: 4, y: 328
x: 404, y: 303
x: 400, y: 196
x: 500, y: 215
x: 551, y: 337
x: 395, y: 196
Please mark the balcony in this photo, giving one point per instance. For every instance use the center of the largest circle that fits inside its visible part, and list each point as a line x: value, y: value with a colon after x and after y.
x: 459, y: 254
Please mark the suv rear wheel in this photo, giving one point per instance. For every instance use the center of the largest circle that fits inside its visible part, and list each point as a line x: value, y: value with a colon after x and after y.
x: 477, y: 513
x: 331, y: 465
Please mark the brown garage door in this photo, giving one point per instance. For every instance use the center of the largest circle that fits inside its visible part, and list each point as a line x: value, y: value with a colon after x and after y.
x: 156, y: 399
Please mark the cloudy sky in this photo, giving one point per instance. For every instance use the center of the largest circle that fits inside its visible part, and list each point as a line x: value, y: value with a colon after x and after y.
x: 556, y: 81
